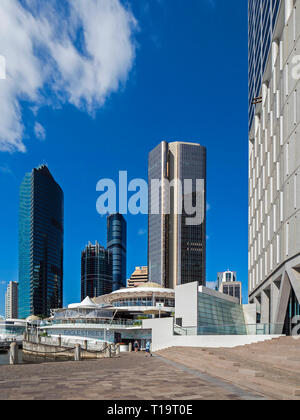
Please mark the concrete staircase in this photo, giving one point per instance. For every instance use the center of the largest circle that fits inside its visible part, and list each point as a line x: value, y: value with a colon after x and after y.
x: 271, y: 368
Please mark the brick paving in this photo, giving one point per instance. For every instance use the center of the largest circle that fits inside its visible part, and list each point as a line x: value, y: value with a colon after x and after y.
x: 130, y: 377
x: 271, y: 367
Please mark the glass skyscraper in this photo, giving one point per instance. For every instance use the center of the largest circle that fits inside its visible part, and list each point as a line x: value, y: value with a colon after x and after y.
x: 96, y: 271
x: 176, y: 250
x: 262, y: 16
x: 41, y: 237
x: 117, y: 244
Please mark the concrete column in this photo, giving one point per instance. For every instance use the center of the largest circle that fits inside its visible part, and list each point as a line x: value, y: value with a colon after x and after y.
x: 275, y: 292
x: 59, y: 341
x: 77, y: 356
x: 130, y: 347
x: 275, y: 49
x: 288, y: 9
x: 265, y: 307
x: 264, y: 92
x: 108, y: 351
x: 13, y: 354
x: 118, y: 350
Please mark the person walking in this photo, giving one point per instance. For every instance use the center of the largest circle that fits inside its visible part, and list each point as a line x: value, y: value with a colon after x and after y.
x: 136, y: 346
x: 148, y: 349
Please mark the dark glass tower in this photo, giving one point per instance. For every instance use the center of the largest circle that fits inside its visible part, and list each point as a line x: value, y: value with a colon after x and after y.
x: 262, y: 17
x: 116, y: 243
x: 176, y: 250
x: 96, y: 271
x: 41, y: 237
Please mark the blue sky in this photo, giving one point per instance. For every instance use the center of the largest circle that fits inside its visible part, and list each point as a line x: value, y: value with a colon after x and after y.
x: 182, y: 75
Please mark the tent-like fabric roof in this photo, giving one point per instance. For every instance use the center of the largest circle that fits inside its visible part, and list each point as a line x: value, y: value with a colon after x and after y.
x: 87, y: 303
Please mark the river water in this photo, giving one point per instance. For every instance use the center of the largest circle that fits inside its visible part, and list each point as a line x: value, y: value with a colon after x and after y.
x: 4, y: 358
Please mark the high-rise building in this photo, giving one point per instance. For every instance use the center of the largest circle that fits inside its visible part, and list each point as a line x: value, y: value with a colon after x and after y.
x: 274, y: 161
x: 41, y: 236
x: 176, y: 246
x: 262, y: 15
x: 96, y: 271
x: 225, y: 276
x: 227, y: 283
x: 138, y: 277
x: 11, y: 301
x: 117, y: 243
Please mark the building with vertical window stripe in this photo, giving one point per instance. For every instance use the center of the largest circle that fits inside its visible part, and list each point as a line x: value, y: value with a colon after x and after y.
x: 41, y: 237
x: 176, y: 249
x: 96, y: 271
x: 274, y: 160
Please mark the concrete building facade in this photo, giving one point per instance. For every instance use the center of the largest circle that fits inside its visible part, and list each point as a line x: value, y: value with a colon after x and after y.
x: 227, y: 283
x: 138, y: 277
x: 11, y: 300
x: 274, y: 165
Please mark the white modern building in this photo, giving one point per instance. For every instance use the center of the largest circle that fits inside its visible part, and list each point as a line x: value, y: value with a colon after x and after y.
x: 190, y: 315
x: 274, y: 160
x: 11, y: 300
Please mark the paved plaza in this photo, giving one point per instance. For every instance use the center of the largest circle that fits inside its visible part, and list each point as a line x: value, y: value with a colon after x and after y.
x: 269, y: 370
x: 130, y: 377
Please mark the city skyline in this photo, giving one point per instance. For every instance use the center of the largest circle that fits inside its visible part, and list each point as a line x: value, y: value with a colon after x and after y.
x: 81, y: 150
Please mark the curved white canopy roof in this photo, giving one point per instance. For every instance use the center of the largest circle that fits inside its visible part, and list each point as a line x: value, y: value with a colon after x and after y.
x: 87, y: 303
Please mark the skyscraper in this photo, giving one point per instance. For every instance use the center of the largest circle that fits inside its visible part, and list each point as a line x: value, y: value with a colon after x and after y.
x: 227, y: 283
x: 41, y: 236
x: 117, y: 243
x: 96, y: 271
x: 274, y: 161
x: 262, y: 15
x: 225, y: 277
x: 176, y: 248
x: 139, y: 277
x: 11, y: 301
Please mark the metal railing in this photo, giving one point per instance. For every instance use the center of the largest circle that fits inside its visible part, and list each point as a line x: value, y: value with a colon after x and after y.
x: 99, y: 322
x: 241, y: 329
x: 237, y: 329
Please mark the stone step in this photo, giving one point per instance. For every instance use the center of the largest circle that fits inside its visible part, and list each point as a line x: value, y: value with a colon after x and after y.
x: 260, y: 378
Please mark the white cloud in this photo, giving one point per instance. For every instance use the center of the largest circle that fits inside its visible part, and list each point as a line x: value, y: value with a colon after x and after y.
x: 79, y: 52
x: 39, y: 131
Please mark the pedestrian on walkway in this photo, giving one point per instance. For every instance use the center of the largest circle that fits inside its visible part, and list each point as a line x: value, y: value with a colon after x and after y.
x: 148, y: 349
x: 136, y: 346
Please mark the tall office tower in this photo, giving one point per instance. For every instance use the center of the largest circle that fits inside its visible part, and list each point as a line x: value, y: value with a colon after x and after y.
x: 176, y: 246
x: 41, y: 237
x: 96, y: 271
x: 116, y: 243
x: 225, y: 276
x: 228, y: 284
x: 274, y: 160
x: 11, y: 301
x: 139, y: 277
